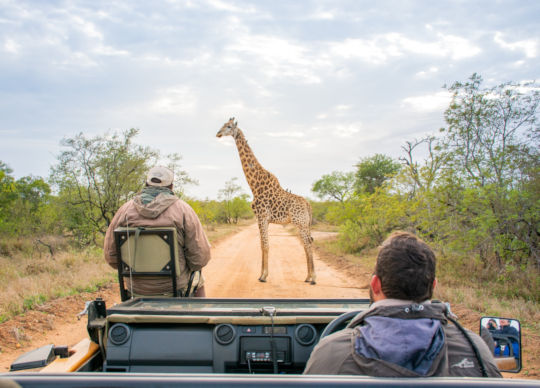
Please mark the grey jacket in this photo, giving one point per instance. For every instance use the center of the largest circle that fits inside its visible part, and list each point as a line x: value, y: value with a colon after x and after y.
x: 164, y: 210
x: 396, y: 338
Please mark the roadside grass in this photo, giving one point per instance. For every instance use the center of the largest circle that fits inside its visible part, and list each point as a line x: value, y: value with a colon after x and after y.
x: 31, y: 276
x: 217, y: 232
x: 28, y: 280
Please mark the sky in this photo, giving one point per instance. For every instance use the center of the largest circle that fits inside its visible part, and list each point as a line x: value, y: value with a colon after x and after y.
x: 314, y: 85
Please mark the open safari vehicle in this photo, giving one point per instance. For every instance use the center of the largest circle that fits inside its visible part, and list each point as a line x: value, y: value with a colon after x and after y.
x: 165, y: 341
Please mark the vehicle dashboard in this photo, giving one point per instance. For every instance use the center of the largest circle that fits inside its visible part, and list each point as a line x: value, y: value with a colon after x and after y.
x: 217, y: 335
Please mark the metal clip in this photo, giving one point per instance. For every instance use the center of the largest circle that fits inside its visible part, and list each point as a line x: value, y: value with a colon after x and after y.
x: 84, y: 312
x: 268, y: 310
x: 449, y: 311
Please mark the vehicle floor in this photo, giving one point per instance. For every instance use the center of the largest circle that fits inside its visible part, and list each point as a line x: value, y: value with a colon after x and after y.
x: 233, y: 272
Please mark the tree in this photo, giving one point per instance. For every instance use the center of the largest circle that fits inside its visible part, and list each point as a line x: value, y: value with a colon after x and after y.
x: 492, y: 148
x: 27, y: 212
x: 492, y: 133
x: 235, y: 203
x: 421, y: 175
x: 7, y: 191
x: 24, y: 205
x: 373, y: 171
x: 240, y: 207
x: 94, y: 176
x: 337, y: 185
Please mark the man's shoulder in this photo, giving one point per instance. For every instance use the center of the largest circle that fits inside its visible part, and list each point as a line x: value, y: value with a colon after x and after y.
x: 331, y: 353
x: 339, y: 336
x: 461, y: 356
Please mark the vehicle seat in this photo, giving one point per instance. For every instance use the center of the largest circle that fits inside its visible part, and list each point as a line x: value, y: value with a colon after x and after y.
x: 150, y: 252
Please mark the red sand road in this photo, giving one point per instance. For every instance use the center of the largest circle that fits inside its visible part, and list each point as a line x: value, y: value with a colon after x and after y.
x: 236, y: 265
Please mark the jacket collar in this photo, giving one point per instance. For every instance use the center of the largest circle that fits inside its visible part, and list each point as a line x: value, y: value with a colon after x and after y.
x: 403, y: 309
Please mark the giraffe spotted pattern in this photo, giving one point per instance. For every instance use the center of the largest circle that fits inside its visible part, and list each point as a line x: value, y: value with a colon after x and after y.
x: 271, y: 203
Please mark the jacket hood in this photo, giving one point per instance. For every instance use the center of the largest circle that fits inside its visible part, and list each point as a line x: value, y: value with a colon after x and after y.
x: 410, y: 336
x: 154, y: 208
x: 410, y: 343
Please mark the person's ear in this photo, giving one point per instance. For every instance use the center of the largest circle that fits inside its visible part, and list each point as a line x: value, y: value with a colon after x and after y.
x: 434, y: 283
x: 376, y: 288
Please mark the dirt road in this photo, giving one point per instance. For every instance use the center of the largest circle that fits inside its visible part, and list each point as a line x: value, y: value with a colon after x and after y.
x: 233, y: 272
x: 236, y: 265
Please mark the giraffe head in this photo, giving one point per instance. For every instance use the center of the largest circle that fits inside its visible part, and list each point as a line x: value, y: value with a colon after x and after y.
x: 228, y: 129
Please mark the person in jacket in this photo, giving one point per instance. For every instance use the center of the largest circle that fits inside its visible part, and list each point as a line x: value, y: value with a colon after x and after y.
x: 502, y: 347
x: 156, y: 205
x: 492, y: 325
x: 403, y: 333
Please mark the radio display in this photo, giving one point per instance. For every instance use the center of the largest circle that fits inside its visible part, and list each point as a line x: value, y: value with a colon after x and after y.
x: 277, y: 330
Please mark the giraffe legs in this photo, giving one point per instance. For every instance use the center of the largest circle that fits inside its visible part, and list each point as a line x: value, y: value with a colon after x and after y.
x: 305, y: 235
x: 263, y: 231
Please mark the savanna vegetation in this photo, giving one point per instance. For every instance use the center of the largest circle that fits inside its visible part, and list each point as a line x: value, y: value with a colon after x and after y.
x: 472, y: 191
x: 51, y: 229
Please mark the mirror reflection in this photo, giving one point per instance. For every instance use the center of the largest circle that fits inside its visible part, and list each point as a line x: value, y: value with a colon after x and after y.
x: 503, y: 336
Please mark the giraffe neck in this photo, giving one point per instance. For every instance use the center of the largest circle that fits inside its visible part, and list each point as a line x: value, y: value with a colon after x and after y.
x: 251, y: 166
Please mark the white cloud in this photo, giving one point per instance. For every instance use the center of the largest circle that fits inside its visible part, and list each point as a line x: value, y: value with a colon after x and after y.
x: 210, y: 167
x: 293, y: 134
x: 76, y: 59
x: 450, y: 46
x: 179, y: 100
x: 347, y: 130
x: 335, y: 129
x: 381, y: 48
x: 321, y: 15
x: 370, y: 51
x: 428, y: 103
x: 109, y: 51
x: 426, y: 73
x: 227, y: 6
x: 528, y: 46
x: 227, y: 141
x: 337, y: 111
x: 87, y: 28
x: 11, y: 46
x: 278, y: 57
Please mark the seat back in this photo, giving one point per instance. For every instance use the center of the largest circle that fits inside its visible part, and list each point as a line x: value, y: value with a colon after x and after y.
x: 147, y: 252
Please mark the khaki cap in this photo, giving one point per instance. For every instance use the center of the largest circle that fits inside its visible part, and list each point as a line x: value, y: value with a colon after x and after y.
x: 160, y: 176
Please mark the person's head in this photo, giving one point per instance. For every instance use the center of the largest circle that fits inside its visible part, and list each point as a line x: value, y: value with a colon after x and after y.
x: 405, y: 269
x: 160, y: 176
x: 492, y: 324
x: 504, y: 322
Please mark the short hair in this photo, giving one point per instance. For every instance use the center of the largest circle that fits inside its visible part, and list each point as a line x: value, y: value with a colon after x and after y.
x: 406, y: 267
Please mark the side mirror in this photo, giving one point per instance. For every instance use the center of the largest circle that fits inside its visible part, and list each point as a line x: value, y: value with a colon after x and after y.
x: 503, y: 337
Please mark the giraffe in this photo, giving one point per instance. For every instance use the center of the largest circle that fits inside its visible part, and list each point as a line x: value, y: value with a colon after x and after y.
x: 271, y: 203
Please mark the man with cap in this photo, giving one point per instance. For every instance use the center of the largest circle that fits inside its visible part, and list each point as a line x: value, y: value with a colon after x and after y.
x: 403, y: 333
x: 155, y: 206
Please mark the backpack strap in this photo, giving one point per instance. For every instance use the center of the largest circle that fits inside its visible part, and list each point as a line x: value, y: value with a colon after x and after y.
x: 451, y: 317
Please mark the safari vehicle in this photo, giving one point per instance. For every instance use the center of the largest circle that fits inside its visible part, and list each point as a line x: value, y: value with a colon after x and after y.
x: 208, y: 342
x: 165, y: 341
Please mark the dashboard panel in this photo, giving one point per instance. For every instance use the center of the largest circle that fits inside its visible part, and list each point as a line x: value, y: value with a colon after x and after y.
x: 210, y: 348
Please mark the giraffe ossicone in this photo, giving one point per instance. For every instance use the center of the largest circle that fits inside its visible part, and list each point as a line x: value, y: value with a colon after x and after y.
x: 271, y: 203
